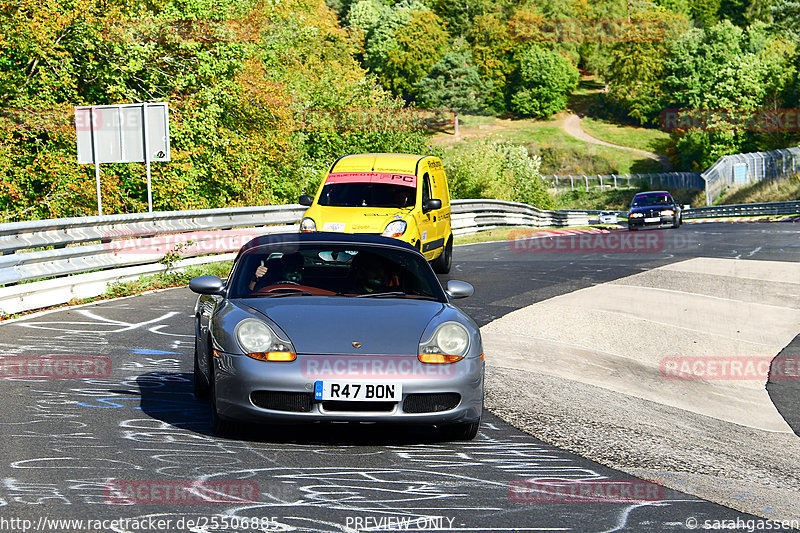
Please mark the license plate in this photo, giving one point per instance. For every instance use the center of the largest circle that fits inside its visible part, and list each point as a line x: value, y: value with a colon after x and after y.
x: 333, y: 226
x: 358, y: 391
x: 652, y: 219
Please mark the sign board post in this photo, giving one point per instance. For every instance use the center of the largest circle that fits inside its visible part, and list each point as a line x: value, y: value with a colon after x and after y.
x: 124, y: 133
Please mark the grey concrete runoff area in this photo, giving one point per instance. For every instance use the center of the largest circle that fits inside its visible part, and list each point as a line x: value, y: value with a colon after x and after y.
x: 596, y: 371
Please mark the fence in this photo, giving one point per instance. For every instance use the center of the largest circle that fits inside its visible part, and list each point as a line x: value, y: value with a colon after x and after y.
x: 671, y: 180
x: 743, y: 169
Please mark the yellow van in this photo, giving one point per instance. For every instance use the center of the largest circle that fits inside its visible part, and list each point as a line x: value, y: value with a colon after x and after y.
x: 395, y: 195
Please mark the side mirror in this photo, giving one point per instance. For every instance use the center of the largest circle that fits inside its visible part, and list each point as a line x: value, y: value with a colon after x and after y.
x: 432, y: 205
x: 459, y: 289
x: 306, y: 200
x: 207, y: 285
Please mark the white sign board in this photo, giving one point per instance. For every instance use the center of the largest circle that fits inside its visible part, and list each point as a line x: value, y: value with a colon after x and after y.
x: 126, y: 133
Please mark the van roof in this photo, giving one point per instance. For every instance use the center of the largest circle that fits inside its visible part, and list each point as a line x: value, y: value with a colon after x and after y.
x: 406, y: 163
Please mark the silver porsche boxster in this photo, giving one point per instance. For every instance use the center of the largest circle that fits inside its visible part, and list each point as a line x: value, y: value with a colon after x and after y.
x: 335, y: 327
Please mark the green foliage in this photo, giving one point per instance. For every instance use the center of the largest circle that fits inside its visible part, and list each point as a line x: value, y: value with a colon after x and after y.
x: 492, y: 47
x: 725, y: 68
x: 404, y: 45
x: 543, y: 83
x: 263, y: 96
x: 636, y: 70
x: 454, y: 83
x: 499, y: 170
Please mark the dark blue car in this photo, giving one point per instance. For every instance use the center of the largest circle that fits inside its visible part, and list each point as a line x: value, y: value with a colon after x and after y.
x: 653, y: 208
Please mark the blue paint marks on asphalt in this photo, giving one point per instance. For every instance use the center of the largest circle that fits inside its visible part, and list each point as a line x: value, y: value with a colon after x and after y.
x: 139, y: 351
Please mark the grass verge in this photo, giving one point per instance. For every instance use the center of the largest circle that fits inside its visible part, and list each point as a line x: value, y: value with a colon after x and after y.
x: 560, y: 152
x: 649, y: 139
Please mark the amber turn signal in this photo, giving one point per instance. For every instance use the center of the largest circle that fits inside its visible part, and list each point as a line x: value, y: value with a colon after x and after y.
x: 439, y: 358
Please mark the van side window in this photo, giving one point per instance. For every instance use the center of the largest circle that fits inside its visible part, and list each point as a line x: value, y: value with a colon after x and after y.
x: 426, y: 188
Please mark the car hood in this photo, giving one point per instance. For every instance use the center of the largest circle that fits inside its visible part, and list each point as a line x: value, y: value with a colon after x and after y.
x: 642, y: 208
x: 358, y: 219
x: 330, y: 325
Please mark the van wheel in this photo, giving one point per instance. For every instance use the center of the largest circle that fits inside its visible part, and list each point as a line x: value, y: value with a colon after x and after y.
x: 441, y: 265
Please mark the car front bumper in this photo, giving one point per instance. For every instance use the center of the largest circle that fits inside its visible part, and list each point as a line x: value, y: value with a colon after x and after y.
x: 238, y: 377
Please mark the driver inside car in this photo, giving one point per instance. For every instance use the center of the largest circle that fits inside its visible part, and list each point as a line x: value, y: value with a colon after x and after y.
x: 373, y: 275
x: 286, y: 269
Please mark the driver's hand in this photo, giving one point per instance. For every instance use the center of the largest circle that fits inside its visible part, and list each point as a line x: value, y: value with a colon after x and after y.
x: 260, y: 271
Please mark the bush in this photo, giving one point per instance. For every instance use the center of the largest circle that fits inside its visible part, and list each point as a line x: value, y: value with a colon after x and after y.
x: 499, y: 170
x: 544, y: 81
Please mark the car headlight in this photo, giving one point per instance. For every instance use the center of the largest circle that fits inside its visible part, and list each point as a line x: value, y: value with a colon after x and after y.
x: 448, y: 344
x: 635, y: 215
x: 257, y: 340
x: 395, y: 228
x: 667, y: 213
x: 308, y: 225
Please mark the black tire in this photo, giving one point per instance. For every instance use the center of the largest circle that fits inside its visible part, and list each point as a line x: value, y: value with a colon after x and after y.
x: 677, y: 223
x: 219, y: 426
x: 201, y: 386
x: 441, y: 265
x: 461, y: 431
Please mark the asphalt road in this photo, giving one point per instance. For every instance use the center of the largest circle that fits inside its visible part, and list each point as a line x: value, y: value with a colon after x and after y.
x: 65, y: 442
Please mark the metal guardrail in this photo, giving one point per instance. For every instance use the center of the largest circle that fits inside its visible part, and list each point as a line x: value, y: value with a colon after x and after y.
x: 84, y: 255
x: 744, y: 210
x: 672, y: 180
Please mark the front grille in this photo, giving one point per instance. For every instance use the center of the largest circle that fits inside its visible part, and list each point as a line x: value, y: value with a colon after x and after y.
x: 361, y: 407
x: 296, y: 402
x: 431, y: 403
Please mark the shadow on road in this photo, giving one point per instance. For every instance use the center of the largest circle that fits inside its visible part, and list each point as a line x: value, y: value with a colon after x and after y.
x: 783, y: 386
x: 169, y: 397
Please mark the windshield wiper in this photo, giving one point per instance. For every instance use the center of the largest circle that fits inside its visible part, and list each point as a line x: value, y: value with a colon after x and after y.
x: 391, y: 294
x: 397, y: 294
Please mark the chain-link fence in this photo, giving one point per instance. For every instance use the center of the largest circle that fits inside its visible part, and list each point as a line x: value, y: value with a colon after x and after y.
x: 743, y: 169
x: 670, y: 180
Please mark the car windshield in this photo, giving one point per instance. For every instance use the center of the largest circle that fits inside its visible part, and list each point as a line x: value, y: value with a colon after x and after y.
x: 367, y: 195
x: 651, y: 199
x: 333, y: 270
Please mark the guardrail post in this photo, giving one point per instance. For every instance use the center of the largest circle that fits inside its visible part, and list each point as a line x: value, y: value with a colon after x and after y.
x: 587, y: 182
x: 615, y: 180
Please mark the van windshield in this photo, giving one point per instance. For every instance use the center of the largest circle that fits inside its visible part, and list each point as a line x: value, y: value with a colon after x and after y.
x: 367, y: 195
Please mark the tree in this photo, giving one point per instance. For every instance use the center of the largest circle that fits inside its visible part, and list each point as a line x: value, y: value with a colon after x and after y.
x: 636, y: 72
x: 453, y: 82
x: 492, y: 47
x: 404, y: 46
x: 543, y: 82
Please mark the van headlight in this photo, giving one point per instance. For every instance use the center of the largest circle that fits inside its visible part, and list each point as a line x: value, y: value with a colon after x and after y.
x: 395, y: 229
x: 667, y: 213
x: 307, y: 225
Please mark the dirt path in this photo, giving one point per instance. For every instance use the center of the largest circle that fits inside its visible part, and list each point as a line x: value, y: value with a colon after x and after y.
x: 572, y: 125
